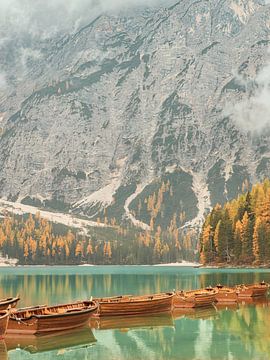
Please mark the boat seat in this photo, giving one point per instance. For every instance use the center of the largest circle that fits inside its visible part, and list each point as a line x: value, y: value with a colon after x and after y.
x: 61, y: 311
x: 74, y: 309
x: 48, y: 312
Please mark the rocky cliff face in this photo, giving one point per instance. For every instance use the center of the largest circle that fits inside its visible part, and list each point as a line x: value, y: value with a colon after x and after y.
x: 131, y: 102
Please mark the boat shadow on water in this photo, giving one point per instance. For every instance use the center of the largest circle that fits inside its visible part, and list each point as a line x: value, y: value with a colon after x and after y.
x: 63, y: 340
x: 204, y: 313
x: 151, y: 322
x: 132, y: 322
x: 256, y: 302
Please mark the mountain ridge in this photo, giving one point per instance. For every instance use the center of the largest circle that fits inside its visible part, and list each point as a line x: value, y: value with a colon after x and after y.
x: 130, y: 102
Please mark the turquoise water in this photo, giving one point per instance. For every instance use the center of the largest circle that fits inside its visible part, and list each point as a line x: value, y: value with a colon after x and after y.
x: 240, y: 333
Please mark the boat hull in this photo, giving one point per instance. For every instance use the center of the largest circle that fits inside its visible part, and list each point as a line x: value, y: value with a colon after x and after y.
x: 8, y: 303
x: 38, y: 321
x: 133, y: 305
x: 252, y: 291
x: 4, y: 319
x: 193, y: 300
x: 3, y: 350
x: 226, y: 296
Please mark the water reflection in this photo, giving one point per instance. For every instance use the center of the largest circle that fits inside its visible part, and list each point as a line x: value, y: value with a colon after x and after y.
x: 131, y: 322
x: 61, y: 286
x: 47, y: 342
x: 199, y: 313
x: 250, y: 322
x: 236, y: 333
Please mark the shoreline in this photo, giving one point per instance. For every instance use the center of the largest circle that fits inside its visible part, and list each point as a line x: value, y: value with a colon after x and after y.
x: 14, y: 263
x: 172, y: 265
x: 235, y: 266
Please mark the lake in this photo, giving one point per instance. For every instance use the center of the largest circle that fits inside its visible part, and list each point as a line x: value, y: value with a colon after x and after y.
x: 241, y: 332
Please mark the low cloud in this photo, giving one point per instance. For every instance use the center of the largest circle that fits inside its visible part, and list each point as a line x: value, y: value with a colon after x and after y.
x: 253, y: 113
x: 26, y: 25
x: 45, y: 18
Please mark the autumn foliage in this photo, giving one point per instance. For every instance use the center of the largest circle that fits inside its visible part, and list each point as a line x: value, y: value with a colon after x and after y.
x: 34, y: 240
x: 239, y: 232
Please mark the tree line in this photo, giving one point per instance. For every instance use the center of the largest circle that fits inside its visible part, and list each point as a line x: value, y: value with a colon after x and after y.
x: 34, y: 240
x: 239, y: 232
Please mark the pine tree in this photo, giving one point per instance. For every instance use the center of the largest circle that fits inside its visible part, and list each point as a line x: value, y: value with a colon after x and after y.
x: 206, y: 245
x: 246, y: 238
x: 237, y: 246
x: 259, y: 240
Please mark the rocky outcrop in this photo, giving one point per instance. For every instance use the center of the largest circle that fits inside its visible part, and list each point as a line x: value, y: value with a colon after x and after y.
x: 132, y: 98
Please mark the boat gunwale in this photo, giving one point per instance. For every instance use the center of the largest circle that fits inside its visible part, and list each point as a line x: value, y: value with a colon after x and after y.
x: 134, y: 299
x: 251, y: 287
x: 40, y: 307
x: 227, y: 289
x: 5, y: 314
x: 196, y: 293
x: 8, y: 301
x: 71, y: 312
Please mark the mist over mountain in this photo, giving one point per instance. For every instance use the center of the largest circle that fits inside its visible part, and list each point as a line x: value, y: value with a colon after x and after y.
x: 144, y: 113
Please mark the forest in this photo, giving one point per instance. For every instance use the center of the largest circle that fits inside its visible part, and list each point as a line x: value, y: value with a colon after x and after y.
x: 238, y: 233
x: 34, y: 240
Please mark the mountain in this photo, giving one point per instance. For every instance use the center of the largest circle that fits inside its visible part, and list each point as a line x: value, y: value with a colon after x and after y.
x: 127, y: 118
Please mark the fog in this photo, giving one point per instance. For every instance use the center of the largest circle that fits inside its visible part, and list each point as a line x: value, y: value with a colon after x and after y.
x: 45, y: 18
x: 253, y: 113
x: 25, y: 24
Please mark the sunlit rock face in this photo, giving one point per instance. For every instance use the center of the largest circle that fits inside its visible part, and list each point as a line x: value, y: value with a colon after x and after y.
x: 101, y: 115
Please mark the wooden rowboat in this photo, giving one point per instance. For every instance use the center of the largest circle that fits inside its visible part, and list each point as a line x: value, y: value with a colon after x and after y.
x: 226, y: 294
x: 41, y: 319
x: 9, y: 303
x: 255, y: 290
x: 135, y: 305
x: 51, y: 341
x: 194, y: 298
x: 4, y: 318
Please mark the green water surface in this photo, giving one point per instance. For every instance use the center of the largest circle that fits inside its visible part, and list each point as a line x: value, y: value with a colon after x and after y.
x: 241, y: 332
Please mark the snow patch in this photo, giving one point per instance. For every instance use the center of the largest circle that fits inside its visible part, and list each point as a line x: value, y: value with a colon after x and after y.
x: 86, y: 265
x: 202, y: 193
x: 181, y: 264
x: 129, y: 215
x: 2, y: 115
x: 228, y: 170
x: 35, y: 197
x: 171, y: 169
x: 104, y: 196
x: 6, y: 261
x: 228, y: 173
x: 65, y: 219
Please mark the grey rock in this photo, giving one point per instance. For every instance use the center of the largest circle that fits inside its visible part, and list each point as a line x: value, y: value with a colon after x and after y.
x: 131, y: 97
